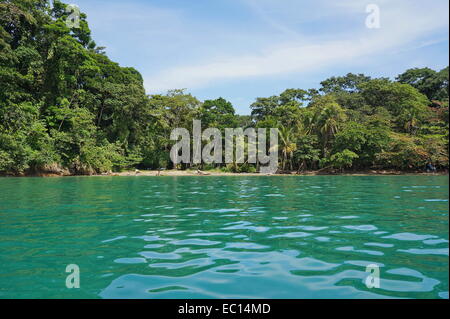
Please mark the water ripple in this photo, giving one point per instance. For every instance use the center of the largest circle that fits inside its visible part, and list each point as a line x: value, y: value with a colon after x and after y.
x: 234, y: 237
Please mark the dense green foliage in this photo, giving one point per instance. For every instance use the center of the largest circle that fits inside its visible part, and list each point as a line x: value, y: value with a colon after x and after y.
x: 65, y: 107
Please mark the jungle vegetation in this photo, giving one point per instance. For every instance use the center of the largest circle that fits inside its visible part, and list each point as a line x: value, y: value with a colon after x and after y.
x: 65, y: 107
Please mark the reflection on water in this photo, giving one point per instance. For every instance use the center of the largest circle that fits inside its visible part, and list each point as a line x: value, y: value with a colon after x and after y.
x: 224, y: 237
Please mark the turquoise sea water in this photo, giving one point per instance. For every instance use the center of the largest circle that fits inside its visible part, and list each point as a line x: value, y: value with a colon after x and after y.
x: 224, y: 237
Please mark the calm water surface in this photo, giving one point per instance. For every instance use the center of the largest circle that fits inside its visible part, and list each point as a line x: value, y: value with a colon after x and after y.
x: 224, y: 237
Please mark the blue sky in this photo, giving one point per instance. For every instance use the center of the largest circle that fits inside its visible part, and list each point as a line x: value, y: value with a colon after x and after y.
x: 243, y: 49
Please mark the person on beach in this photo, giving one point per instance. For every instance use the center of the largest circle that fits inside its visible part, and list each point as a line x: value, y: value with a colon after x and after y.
x: 430, y: 168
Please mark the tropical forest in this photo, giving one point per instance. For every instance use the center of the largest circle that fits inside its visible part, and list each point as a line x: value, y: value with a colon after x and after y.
x: 66, y: 108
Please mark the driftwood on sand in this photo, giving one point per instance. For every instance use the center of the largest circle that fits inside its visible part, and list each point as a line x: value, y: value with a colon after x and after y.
x: 202, y: 173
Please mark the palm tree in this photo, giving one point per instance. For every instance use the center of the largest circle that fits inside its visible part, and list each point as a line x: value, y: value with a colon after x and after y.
x: 287, y: 145
x: 411, y: 122
x: 328, y: 123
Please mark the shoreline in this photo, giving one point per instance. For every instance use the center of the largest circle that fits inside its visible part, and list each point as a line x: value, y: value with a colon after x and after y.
x: 178, y: 173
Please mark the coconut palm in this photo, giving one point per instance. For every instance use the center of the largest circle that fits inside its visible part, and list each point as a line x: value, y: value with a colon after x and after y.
x: 329, y: 120
x: 410, y: 122
x: 287, y: 145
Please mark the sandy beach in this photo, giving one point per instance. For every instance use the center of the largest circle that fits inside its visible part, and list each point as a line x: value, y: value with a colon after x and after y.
x: 293, y: 173
x: 181, y: 173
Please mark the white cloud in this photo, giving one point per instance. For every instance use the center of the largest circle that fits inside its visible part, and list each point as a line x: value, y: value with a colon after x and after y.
x: 402, y: 23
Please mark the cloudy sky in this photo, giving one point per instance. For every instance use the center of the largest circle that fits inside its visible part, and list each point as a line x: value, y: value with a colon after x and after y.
x: 243, y: 49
